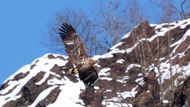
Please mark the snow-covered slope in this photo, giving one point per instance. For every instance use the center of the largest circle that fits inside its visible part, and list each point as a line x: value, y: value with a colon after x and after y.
x: 144, y: 69
x: 43, y: 74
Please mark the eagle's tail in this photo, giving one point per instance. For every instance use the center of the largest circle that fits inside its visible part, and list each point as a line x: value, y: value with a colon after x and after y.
x: 88, y: 76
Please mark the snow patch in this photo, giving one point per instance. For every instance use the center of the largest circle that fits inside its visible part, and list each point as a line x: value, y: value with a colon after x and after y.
x: 120, y: 61
x: 42, y: 96
x: 127, y: 94
x: 115, y: 46
x: 104, y: 72
x: 131, y: 66
x: 105, y: 78
x: 108, y: 90
x: 96, y: 87
x: 126, y: 36
x: 69, y: 94
x: 44, y: 64
x: 129, y: 50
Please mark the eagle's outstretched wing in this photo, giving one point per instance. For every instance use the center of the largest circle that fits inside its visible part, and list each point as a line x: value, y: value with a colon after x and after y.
x: 77, y: 55
x: 73, y: 44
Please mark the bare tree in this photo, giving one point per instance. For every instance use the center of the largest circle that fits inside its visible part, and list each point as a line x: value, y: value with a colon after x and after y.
x: 109, y: 22
x: 83, y: 25
x: 174, y: 9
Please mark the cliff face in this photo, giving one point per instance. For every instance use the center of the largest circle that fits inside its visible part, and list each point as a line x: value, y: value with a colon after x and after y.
x: 149, y: 67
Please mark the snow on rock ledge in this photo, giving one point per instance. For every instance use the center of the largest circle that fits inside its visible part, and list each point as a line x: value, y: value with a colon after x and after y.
x: 34, y: 83
x: 130, y: 74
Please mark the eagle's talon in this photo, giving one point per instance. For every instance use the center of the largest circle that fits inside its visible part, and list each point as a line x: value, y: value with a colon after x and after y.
x: 73, y: 71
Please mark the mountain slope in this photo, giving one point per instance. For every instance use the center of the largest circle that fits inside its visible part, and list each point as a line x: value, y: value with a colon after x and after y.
x: 148, y: 67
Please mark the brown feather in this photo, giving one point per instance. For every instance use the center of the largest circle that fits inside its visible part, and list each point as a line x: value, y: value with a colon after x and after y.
x: 77, y: 54
x: 73, y: 44
x: 88, y: 76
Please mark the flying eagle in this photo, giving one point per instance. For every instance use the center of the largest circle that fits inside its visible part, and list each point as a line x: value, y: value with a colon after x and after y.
x: 83, y: 64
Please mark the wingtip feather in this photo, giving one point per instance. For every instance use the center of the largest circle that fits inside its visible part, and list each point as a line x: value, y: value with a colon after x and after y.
x: 67, y: 28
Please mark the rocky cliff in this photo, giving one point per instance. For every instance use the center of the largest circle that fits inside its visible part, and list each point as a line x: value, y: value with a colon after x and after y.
x: 149, y: 67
